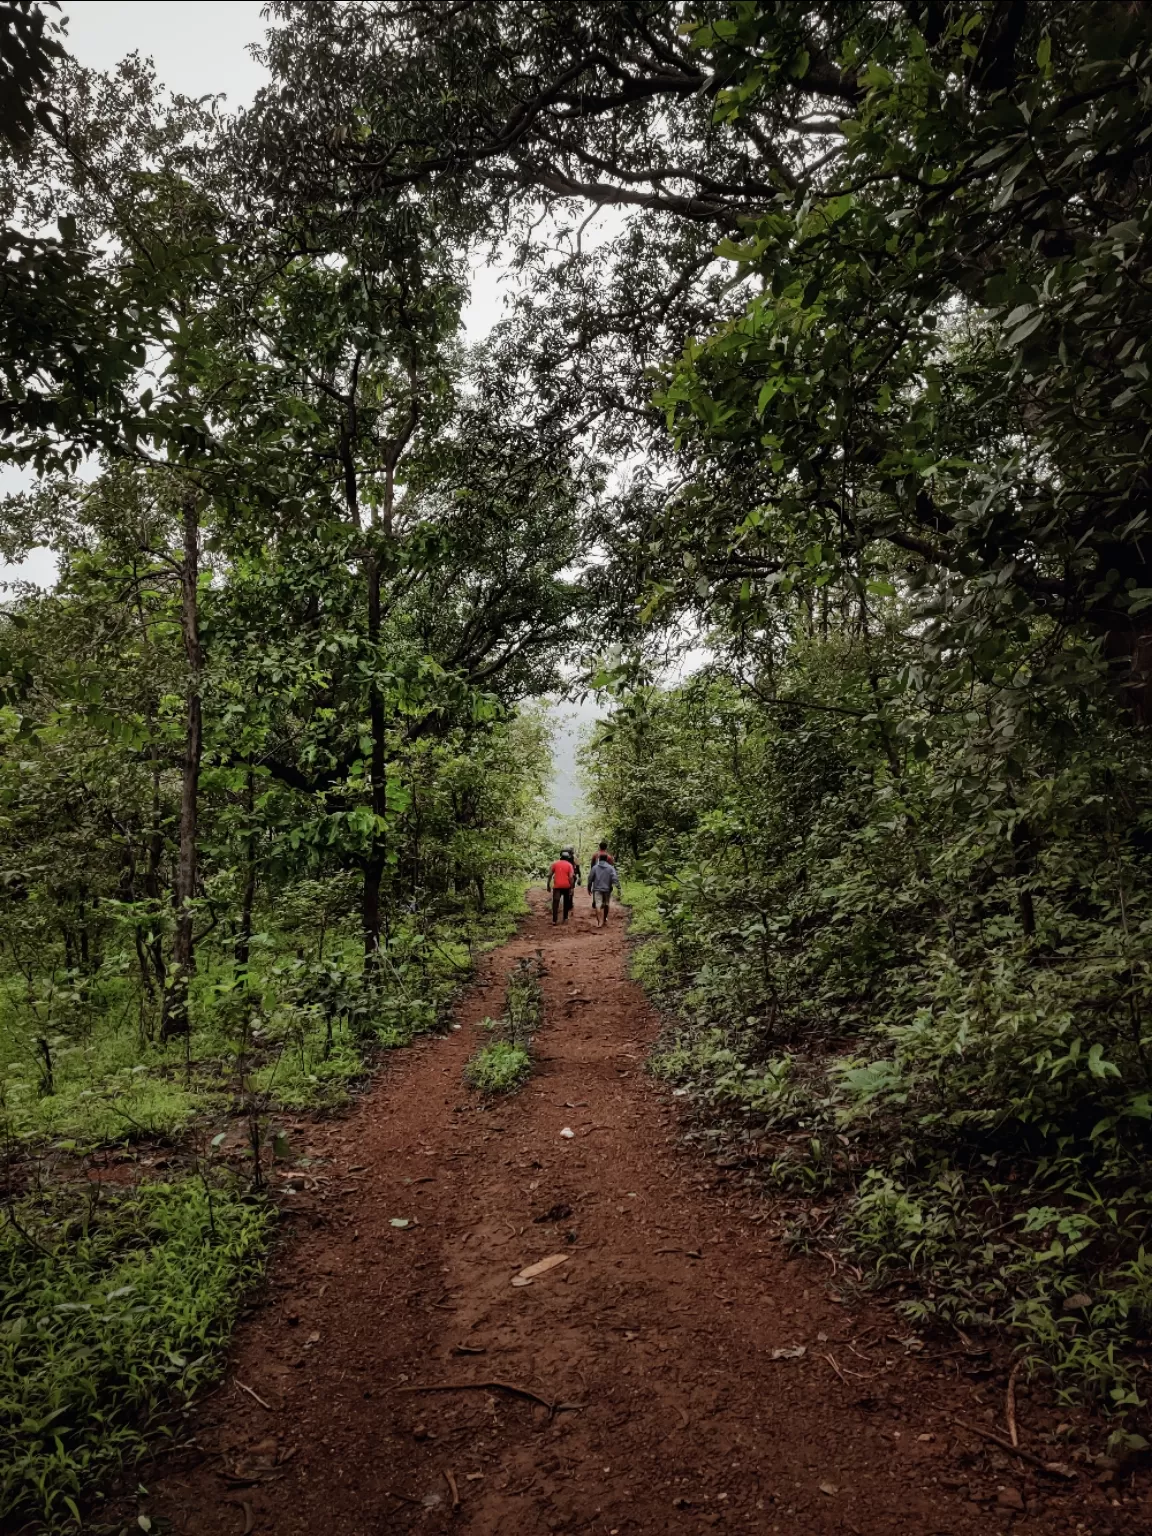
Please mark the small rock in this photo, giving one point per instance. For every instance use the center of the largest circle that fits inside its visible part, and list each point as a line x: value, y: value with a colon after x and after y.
x: 830, y: 1489
x: 1010, y: 1498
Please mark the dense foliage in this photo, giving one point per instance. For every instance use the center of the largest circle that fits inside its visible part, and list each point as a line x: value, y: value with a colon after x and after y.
x: 900, y: 823
x: 826, y: 370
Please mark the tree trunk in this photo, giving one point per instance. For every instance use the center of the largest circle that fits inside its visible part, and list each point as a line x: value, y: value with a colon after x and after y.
x: 175, y: 1020
x: 372, y: 914
x: 375, y: 862
x: 248, y: 901
x: 152, y: 876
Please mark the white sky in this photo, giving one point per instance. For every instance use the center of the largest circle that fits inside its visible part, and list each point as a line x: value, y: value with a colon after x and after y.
x: 200, y: 48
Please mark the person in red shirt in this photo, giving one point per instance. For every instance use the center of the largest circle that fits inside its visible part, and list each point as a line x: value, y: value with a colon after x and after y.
x: 562, y: 883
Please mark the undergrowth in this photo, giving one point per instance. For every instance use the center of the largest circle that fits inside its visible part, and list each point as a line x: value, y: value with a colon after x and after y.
x: 92, y: 1071
x: 114, y: 1306
x: 113, y: 1309
x: 1042, y: 1240
x: 506, y: 1061
x: 499, y: 1067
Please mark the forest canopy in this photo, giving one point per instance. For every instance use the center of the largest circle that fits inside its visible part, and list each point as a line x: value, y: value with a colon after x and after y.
x: 815, y: 439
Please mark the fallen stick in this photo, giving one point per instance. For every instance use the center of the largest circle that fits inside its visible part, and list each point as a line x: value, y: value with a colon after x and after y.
x: 1010, y: 1404
x: 836, y: 1368
x: 256, y: 1395
x: 393, y: 1493
x: 1014, y: 1450
x: 451, y: 1481
x: 491, y: 1386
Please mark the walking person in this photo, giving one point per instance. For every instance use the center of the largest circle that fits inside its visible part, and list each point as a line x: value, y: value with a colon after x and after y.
x: 602, y: 880
x: 562, y: 883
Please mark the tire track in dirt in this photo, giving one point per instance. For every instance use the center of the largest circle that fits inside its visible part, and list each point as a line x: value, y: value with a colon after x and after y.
x: 661, y: 1323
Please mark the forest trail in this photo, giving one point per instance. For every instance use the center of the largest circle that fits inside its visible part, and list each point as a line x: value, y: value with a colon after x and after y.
x: 661, y: 1324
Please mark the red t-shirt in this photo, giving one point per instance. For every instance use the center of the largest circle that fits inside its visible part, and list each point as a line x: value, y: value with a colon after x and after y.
x: 563, y: 875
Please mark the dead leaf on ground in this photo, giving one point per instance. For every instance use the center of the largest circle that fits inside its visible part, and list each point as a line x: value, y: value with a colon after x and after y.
x: 469, y: 1349
x: 790, y: 1352
x: 830, y: 1489
x: 541, y: 1267
x: 260, y: 1463
x: 1074, y: 1303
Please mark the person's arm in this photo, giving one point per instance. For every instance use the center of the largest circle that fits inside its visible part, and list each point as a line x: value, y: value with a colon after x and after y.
x: 548, y: 887
x: 615, y: 876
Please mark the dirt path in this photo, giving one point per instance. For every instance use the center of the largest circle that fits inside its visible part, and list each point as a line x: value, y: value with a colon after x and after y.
x: 661, y: 1324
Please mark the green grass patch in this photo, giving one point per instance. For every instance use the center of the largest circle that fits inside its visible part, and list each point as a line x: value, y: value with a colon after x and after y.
x: 113, y: 1310
x: 498, y: 1067
x: 643, y: 903
x: 505, y: 1062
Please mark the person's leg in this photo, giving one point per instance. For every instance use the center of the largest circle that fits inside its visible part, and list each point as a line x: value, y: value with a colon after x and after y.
x: 556, y: 895
x: 567, y: 904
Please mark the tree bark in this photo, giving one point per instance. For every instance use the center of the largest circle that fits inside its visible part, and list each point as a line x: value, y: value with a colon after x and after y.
x: 152, y: 876
x: 175, y: 1019
x: 377, y: 853
x: 248, y: 901
x: 376, y: 860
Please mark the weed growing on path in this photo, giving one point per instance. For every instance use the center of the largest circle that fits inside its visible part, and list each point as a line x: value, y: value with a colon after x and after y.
x: 499, y: 1067
x: 506, y: 1061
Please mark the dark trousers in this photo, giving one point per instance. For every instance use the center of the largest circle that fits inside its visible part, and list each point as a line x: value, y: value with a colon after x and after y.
x: 561, y: 897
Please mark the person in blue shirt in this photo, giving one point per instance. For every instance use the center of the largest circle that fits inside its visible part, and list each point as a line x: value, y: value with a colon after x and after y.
x: 602, y: 880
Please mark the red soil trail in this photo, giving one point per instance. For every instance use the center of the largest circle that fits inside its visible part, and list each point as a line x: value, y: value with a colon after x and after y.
x: 660, y: 1324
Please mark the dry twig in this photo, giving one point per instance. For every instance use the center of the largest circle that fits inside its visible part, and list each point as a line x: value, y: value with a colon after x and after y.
x: 1010, y: 1404
x: 492, y: 1386
x: 836, y: 1368
x: 1015, y: 1450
